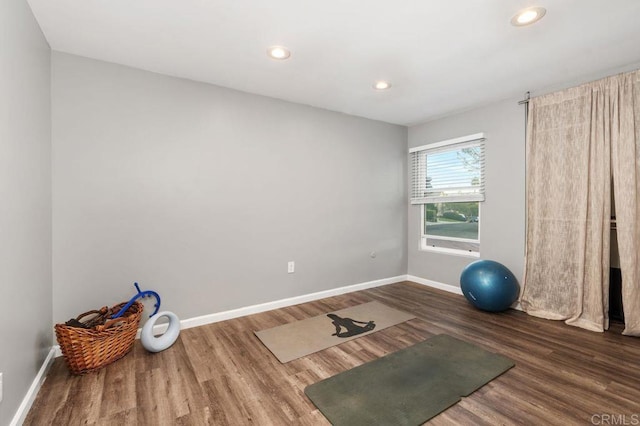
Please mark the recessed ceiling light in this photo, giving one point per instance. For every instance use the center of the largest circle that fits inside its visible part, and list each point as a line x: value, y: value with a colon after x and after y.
x: 528, y: 16
x: 381, y: 85
x: 278, y: 52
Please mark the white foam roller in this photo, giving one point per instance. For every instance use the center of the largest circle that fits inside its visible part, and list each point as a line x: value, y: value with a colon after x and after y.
x: 160, y: 343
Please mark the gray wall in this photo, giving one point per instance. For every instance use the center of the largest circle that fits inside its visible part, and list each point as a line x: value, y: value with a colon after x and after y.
x: 25, y: 206
x: 502, y: 215
x: 204, y: 193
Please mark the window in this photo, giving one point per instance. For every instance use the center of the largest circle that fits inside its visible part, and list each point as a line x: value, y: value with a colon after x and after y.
x: 448, y: 184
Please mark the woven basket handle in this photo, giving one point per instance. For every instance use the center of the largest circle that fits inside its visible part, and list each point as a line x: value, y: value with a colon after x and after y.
x: 98, y: 319
x: 112, y: 322
x: 102, y: 311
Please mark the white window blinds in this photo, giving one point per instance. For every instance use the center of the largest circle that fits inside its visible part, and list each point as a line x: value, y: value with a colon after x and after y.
x: 448, y: 171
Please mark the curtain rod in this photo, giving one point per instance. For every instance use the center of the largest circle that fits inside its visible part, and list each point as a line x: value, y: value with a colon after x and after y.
x: 527, y: 97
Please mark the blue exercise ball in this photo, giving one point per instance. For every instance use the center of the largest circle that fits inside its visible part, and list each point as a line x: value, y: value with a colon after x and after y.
x: 489, y: 285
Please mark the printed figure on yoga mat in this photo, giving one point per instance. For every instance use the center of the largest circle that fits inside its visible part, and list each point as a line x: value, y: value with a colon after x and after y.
x: 352, y: 329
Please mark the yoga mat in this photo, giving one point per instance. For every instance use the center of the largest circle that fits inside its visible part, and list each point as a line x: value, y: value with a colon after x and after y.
x: 297, y: 339
x: 407, y: 387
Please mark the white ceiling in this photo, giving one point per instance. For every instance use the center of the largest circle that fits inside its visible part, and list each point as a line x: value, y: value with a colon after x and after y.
x: 441, y: 56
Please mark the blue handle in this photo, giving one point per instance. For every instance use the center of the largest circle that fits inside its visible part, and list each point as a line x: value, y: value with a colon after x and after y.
x: 147, y: 293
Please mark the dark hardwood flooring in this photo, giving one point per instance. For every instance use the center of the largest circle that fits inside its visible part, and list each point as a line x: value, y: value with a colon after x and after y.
x: 221, y: 373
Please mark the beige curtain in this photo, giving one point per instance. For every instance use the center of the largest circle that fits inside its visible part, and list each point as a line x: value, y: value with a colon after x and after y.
x: 578, y: 140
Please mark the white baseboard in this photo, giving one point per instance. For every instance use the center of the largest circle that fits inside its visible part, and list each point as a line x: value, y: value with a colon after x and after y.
x: 450, y: 288
x: 268, y: 306
x: 262, y: 307
x: 429, y: 283
x: 28, y: 399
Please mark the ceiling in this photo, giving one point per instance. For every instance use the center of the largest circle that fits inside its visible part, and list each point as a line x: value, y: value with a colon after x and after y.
x: 441, y: 56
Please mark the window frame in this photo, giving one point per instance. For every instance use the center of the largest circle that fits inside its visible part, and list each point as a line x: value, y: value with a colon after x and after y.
x: 420, y: 197
x: 423, y: 246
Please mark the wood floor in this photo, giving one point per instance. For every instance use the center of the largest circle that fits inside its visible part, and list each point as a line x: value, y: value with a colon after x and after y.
x: 221, y: 374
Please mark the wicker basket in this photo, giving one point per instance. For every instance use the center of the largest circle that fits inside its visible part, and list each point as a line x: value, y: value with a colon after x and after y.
x: 89, y: 349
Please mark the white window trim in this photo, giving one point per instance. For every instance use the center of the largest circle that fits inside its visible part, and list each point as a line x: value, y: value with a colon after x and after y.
x: 423, y: 237
x: 449, y: 251
x: 464, y: 253
x: 461, y: 139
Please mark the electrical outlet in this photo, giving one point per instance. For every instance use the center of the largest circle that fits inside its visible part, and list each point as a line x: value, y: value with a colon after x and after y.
x: 291, y: 267
x: 0, y: 387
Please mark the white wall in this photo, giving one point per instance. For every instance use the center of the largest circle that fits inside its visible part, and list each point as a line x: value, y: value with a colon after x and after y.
x: 25, y: 202
x: 204, y: 193
x: 502, y: 215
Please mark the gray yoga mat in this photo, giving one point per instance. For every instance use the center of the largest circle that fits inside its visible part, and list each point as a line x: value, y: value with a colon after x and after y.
x: 407, y: 387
